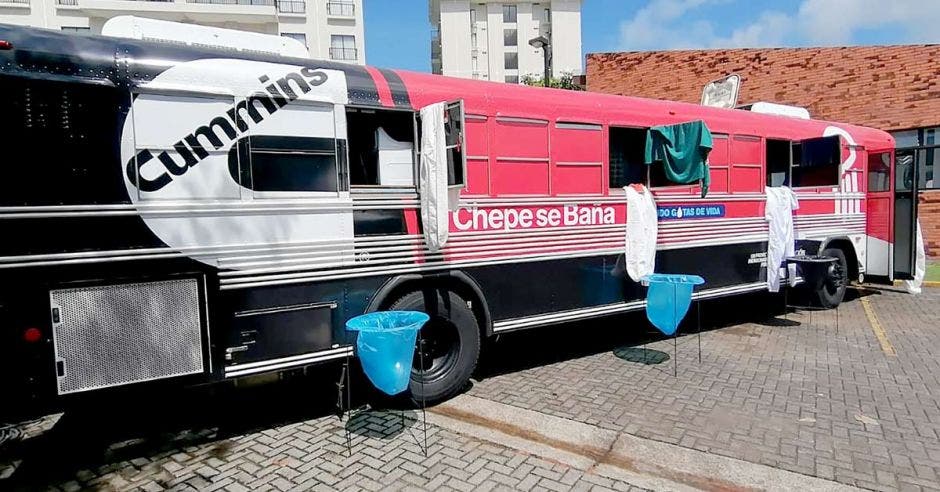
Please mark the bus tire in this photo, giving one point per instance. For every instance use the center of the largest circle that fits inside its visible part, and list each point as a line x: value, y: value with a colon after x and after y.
x: 832, y: 291
x: 451, y: 340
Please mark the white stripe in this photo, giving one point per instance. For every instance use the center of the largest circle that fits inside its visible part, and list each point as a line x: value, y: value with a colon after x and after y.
x: 591, y: 312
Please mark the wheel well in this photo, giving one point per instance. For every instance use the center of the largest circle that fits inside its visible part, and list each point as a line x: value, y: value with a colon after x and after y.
x: 849, y: 249
x: 456, y: 281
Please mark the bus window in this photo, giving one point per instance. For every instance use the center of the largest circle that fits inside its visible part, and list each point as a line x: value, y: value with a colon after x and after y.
x: 777, y: 157
x: 627, y: 148
x: 746, y: 167
x: 522, y: 158
x: 879, y: 172
x: 578, y: 158
x: 381, y: 147
x: 817, y: 162
x: 285, y: 164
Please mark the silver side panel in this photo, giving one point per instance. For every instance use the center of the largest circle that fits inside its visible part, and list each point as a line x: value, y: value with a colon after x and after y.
x: 114, y: 335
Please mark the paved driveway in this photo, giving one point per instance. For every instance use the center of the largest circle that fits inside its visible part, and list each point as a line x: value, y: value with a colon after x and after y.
x: 853, y: 404
x: 857, y: 404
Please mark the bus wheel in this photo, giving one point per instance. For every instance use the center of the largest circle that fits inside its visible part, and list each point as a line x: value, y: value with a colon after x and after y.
x: 832, y: 291
x: 448, y: 348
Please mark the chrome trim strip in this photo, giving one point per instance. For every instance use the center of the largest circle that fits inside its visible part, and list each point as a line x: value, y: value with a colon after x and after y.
x: 518, y: 119
x: 285, y: 309
x: 572, y: 125
x: 579, y: 164
x: 523, y: 159
x: 287, y: 362
x: 596, y: 311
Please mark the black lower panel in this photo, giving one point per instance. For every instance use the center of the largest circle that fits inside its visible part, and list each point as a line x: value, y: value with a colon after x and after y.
x: 527, y: 289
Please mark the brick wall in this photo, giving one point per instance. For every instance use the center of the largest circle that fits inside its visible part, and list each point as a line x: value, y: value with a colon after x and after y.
x: 886, y: 87
x: 929, y: 215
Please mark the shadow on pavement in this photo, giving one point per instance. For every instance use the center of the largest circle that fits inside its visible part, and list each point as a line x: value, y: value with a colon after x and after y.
x: 139, y: 424
x: 132, y: 425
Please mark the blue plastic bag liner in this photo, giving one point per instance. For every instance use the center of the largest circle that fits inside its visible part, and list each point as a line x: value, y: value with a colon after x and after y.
x: 386, y: 346
x: 668, y: 299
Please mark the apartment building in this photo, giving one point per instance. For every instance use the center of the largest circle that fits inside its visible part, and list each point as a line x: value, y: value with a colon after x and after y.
x: 331, y: 29
x: 489, y: 39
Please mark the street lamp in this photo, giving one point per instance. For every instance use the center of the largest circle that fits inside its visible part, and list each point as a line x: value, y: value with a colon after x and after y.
x: 546, y: 46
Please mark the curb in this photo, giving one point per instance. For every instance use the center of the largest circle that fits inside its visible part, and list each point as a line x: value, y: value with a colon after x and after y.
x: 641, y: 462
x: 925, y: 283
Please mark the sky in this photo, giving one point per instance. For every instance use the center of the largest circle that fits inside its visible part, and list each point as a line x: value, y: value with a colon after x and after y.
x: 398, y: 32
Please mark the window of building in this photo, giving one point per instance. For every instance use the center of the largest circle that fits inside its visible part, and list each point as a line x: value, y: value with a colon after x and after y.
x: 343, y: 47
x: 510, y: 37
x: 512, y: 79
x: 879, y: 171
x: 343, y: 8
x: 293, y: 6
x: 509, y: 13
x: 511, y: 60
x: 76, y: 28
x: 906, y: 138
x: 296, y: 35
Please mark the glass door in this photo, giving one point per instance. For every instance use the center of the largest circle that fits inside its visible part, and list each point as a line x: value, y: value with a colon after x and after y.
x: 907, y: 165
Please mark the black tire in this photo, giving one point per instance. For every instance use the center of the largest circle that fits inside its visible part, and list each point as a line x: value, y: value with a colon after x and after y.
x: 832, y: 291
x: 451, y: 344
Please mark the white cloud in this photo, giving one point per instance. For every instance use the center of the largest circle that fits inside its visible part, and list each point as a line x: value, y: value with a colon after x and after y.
x: 662, y: 24
x: 834, y: 22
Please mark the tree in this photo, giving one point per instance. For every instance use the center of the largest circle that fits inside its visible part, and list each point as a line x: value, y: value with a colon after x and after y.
x: 566, y: 81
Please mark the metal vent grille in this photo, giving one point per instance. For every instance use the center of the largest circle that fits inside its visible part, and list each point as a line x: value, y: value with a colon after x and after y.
x: 120, y: 334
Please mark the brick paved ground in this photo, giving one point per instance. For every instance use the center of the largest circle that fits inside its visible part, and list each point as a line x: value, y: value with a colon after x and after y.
x: 309, y: 454
x: 793, y: 394
x: 803, y: 397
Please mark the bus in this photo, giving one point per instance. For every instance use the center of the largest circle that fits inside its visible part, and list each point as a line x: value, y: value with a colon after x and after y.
x: 182, y: 214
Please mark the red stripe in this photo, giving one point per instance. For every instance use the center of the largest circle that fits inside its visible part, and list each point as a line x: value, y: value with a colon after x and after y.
x: 381, y: 85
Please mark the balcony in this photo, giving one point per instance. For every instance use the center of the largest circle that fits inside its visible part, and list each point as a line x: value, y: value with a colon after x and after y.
x: 195, y: 11
x: 14, y: 3
x: 268, y: 3
x: 344, y: 54
x: 292, y: 7
x: 341, y: 9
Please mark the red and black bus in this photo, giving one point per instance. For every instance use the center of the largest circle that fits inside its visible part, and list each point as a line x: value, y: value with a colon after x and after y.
x: 194, y: 215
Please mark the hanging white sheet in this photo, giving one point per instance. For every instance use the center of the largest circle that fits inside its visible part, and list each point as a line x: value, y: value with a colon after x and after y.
x: 433, y: 177
x: 641, y: 232
x: 920, y: 265
x: 781, y: 202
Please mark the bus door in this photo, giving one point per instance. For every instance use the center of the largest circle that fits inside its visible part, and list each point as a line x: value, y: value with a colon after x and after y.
x: 906, y: 171
x: 879, y: 212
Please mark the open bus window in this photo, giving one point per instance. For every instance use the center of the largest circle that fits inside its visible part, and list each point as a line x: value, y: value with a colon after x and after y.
x: 455, y: 142
x: 381, y: 147
x: 271, y: 163
x: 778, y: 160
x: 817, y: 162
x: 627, y: 148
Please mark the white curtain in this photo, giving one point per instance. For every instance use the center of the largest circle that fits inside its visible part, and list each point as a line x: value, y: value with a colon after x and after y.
x: 642, y: 227
x: 781, y: 202
x: 433, y: 177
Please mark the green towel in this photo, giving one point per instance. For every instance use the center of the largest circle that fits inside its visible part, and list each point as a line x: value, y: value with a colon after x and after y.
x: 683, y: 149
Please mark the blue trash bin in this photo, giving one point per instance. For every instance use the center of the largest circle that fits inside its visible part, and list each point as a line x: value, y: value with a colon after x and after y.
x: 668, y: 299
x: 386, y: 346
